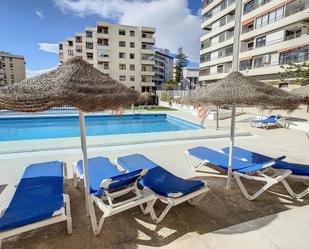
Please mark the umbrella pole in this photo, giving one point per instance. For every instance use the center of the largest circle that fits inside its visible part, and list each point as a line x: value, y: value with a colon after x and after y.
x: 217, y: 118
x: 85, y: 157
x: 231, y: 154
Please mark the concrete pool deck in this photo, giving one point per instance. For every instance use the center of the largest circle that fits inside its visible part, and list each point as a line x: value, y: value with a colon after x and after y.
x: 185, y: 226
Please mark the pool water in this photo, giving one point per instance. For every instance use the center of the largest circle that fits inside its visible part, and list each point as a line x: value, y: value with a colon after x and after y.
x: 29, y: 128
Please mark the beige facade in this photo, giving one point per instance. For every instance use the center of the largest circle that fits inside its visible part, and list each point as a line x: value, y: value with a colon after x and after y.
x: 12, y: 68
x: 125, y: 53
x: 274, y: 33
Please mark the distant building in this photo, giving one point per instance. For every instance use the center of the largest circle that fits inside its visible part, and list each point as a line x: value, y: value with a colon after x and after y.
x: 190, y: 78
x: 274, y: 33
x: 163, y: 67
x: 12, y: 68
x: 125, y: 53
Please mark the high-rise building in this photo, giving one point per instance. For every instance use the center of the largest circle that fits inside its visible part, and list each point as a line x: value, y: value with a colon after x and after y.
x: 274, y: 33
x: 125, y: 53
x: 163, y: 67
x: 12, y: 68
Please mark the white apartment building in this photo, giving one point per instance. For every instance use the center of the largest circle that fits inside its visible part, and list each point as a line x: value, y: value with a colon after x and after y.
x: 274, y: 33
x: 190, y: 78
x: 163, y: 67
x: 125, y: 53
x: 12, y: 68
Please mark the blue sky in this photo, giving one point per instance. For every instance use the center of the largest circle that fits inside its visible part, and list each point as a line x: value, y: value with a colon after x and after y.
x: 28, y: 23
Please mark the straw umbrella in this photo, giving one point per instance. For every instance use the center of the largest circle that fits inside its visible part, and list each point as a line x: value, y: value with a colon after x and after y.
x: 303, y: 92
x: 237, y: 89
x: 75, y: 83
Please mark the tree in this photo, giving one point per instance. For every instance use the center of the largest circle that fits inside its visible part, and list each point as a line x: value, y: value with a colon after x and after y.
x: 170, y: 85
x: 299, y: 72
x: 181, y: 62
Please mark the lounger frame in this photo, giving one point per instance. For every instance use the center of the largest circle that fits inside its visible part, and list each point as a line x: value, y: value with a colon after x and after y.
x: 109, y: 206
x: 275, y: 177
x: 63, y: 214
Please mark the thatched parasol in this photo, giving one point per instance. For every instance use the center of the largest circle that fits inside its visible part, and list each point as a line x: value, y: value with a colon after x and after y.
x: 74, y: 83
x: 237, y: 89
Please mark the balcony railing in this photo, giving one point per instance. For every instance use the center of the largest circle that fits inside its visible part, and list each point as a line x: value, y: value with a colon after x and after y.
x: 255, y: 6
x: 223, y: 5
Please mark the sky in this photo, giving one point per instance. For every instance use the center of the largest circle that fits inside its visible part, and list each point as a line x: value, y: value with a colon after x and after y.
x: 33, y: 28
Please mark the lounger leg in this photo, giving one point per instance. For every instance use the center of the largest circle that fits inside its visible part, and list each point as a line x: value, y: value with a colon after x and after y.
x: 75, y: 180
x: 269, y: 182
x: 292, y: 193
x: 197, y: 167
x: 68, y: 214
x: 96, y: 227
x: 162, y: 215
x: 196, y: 200
x: 149, y: 205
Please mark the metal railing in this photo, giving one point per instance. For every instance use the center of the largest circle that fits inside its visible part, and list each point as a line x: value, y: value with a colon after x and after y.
x: 63, y: 109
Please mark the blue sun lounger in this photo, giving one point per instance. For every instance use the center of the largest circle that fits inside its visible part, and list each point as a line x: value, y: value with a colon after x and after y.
x: 298, y: 170
x: 240, y: 169
x: 107, y: 183
x: 38, y: 201
x: 274, y: 120
x: 167, y: 187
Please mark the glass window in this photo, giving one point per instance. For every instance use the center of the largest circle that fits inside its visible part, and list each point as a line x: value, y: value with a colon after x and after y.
x: 78, y: 39
x: 122, y: 77
x: 132, y: 56
x: 122, y: 66
x: 258, y: 22
x: 103, y: 53
x: 260, y: 42
x: 258, y: 62
x: 122, y: 32
x: 132, y: 45
x: 264, y: 19
x: 89, y: 56
x: 122, y: 43
x: 132, y: 67
x: 88, y: 33
x: 279, y: 13
x: 132, y: 78
x: 89, y: 45
x: 272, y: 16
x: 132, y: 33
x: 220, y: 69
x: 249, y: 6
x: 122, y: 55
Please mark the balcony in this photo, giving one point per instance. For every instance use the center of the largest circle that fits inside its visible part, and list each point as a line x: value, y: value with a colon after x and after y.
x: 148, y: 73
x: 148, y: 39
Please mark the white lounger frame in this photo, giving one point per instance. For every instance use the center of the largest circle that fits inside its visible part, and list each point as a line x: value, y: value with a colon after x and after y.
x: 109, y: 206
x: 63, y: 214
x: 192, y: 198
x: 269, y: 180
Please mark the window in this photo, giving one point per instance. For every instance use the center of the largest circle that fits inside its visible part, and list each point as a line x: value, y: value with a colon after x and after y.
x: 122, y: 77
x: 279, y: 13
x: 122, y: 43
x: 284, y: 86
x: 102, y: 42
x: 220, y: 69
x: 122, y: 66
x: 60, y: 46
x: 249, y: 6
x: 11, y: 59
x: 205, y: 57
x: 132, y: 78
x: 260, y: 42
x: 78, y: 39
x: 89, y: 45
x: 258, y: 22
x: 122, y: 55
x: 70, y: 52
x: 272, y: 16
x: 79, y: 49
x: 89, y: 34
x: 264, y: 19
x: 103, y: 53
x: 132, y: 45
x: 105, y: 65
x: 89, y: 56
x: 70, y: 43
x: 132, y: 67
x: 132, y: 33
x: 258, y: 62
x: 122, y: 32
x: 102, y: 30
x: 132, y: 56
x: 11, y: 65
x: 132, y: 87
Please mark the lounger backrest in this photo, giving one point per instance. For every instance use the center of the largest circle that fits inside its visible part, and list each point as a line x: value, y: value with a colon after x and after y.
x: 247, y: 155
x: 38, y: 195
x: 135, y: 162
x: 118, y: 182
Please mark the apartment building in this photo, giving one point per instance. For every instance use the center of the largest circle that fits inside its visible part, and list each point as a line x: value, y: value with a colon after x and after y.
x: 274, y: 33
x: 190, y: 78
x: 125, y: 53
x: 163, y: 67
x: 12, y: 68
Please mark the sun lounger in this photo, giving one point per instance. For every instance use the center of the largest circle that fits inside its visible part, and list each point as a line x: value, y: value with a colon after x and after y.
x: 167, y: 187
x: 298, y: 170
x: 109, y: 189
x: 38, y: 201
x: 240, y: 169
x: 269, y: 121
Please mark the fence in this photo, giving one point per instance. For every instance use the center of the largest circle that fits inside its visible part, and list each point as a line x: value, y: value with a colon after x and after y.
x: 63, y: 109
x: 174, y: 93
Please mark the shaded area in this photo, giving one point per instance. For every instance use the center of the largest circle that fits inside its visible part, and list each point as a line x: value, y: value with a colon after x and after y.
x: 220, y: 208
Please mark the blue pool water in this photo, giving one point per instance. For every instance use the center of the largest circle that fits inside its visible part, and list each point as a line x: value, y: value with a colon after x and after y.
x: 28, y: 128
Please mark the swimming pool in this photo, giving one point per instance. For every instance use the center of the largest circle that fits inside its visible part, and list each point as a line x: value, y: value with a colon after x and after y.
x: 29, y: 128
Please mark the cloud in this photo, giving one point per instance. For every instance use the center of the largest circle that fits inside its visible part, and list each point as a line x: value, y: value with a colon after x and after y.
x: 32, y: 73
x: 39, y: 14
x: 175, y: 25
x: 49, y: 47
